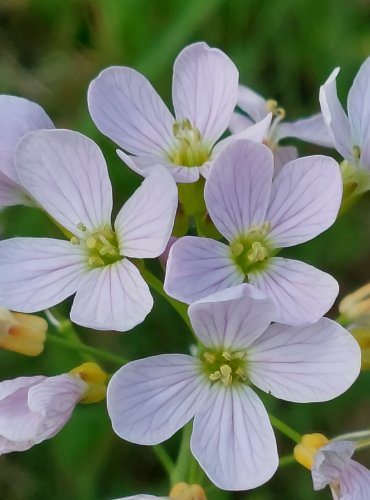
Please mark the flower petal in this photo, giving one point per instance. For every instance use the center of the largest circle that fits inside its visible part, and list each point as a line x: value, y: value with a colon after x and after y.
x: 37, y: 273
x: 204, y: 90
x: 11, y: 193
x: 143, y: 165
x: 144, y: 224
x: 231, y: 318
x: 301, y: 293
x: 233, y: 440
x: 67, y: 175
x: 355, y: 482
x: 305, y: 199
x: 238, y: 187
x: 252, y: 103
x: 239, y: 122
x: 113, y: 297
x: 18, y: 116
x: 330, y: 462
x: 152, y: 398
x: 282, y: 156
x: 126, y: 108
x: 311, y: 129
x: 359, y: 112
x: 304, y: 364
x: 197, y: 267
x: 335, y: 117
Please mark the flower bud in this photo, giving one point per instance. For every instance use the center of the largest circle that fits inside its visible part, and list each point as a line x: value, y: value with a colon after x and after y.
x: 355, y: 307
x: 362, y: 335
x: 22, y: 333
x: 306, y: 450
x: 95, y: 378
x: 184, y: 491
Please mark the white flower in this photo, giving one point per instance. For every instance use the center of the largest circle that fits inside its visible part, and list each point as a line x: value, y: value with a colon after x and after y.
x: 126, y: 108
x: 180, y: 491
x: 33, y: 409
x: 258, y: 217
x: 312, y: 129
x: 18, y: 116
x: 333, y: 466
x: 66, y: 174
x: 233, y: 441
x: 351, y: 134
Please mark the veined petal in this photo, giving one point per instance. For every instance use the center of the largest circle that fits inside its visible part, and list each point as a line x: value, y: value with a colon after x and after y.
x: 335, y: 117
x: 204, y: 90
x: 301, y: 293
x: 144, y: 224
x: 355, y: 482
x: 18, y: 116
x: 233, y: 440
x: 126, y: 108
x: 330, y: 462
x: 66, y: 174
x: 152, y: 398
x: 282, y: 156
x: 53, y: 400
x: 239, y: 122
x: 143, y: 497
x: 143, y: 165
x: 197, y: 267
x: 11, y: 193
x: 252, y: 103
x: 304, y: 364
x: 37, y: 273
x: 359, y: 112
x: 113, y: 297
x: 311, y: 129
x: 305, y: 199
x: 231, y: 318
x: 238, y: 187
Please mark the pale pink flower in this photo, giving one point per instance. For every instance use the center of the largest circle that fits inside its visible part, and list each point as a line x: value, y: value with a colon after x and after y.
x: 126, y: 108
x: 18, y: 116
x: 66, y: 174
x: 233, y: 441
x: 256, y: 108
x: 258, y: 216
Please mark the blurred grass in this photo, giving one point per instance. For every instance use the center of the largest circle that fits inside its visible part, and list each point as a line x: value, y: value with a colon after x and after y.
x: 49, y: 52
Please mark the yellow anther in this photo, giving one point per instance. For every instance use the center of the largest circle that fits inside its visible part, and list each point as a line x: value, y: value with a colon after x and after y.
x: 227, y: 355
x: 95, y: 378
x: 81, y: 226
x: 257, y: 253
x: 210, y: 358
x: 184, y: 491
x: 189, y: 150
x: 75, y: 240
x: 22, y: 333
x: 356, y: 150
x: 237, y: 248
x: 95, y: 261
x: 241, y: 374
x: 306, y: 450
x: 271, y: 105
x: 215, y: 376
x: 226, y: 377
x: 91, y: 242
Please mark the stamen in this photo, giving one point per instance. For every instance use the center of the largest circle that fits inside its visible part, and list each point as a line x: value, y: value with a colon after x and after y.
x: 190, y: 150
x: 356, y: 150
x: 75, y: 240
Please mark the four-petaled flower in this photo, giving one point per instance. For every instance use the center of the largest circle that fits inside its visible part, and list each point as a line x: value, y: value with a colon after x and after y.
x: 66, y: 174
x: 126, y: 108
x: 257, y: 217
x: 150, y: 399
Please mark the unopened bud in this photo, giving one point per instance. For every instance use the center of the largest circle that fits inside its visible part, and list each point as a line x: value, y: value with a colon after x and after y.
x: 22, y: 333
x: 95, y: 378
x: 306, y: 450
x: 184, y: 491
x: 355, y: 307
x: 362, y: 335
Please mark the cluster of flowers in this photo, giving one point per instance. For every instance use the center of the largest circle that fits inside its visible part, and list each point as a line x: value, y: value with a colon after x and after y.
x: 257, y: 317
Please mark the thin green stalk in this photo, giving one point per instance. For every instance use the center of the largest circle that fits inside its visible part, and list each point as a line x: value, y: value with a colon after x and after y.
x: 285, y: 429
x: 164, y: 458
x: 287, y: 460
x: 93, y: 351
x: 157, y: 285
x: 181, y: 470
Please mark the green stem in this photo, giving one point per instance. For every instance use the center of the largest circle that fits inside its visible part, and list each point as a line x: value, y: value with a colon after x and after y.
x: 285, y: 429
x: 164, y: 458
x: 157, y: 285
x: 287, y: 460
x: 182, y: 466
x: 80, y: 347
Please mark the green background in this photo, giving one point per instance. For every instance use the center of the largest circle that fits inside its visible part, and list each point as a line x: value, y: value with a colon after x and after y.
x: 49, y: 52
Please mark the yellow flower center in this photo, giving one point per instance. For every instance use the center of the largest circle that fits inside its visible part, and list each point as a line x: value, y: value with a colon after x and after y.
x: 101, y: 246
x: 227, y: 367
x: 184, y: 491
x: 95, y: 378
x: 251, y: 251
x: 190, y: 151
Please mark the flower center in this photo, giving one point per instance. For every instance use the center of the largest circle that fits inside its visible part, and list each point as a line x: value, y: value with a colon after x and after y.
x: 226, y: 367
x: 251, y: 251
x: 189, y: 151
x: 101, y: 246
